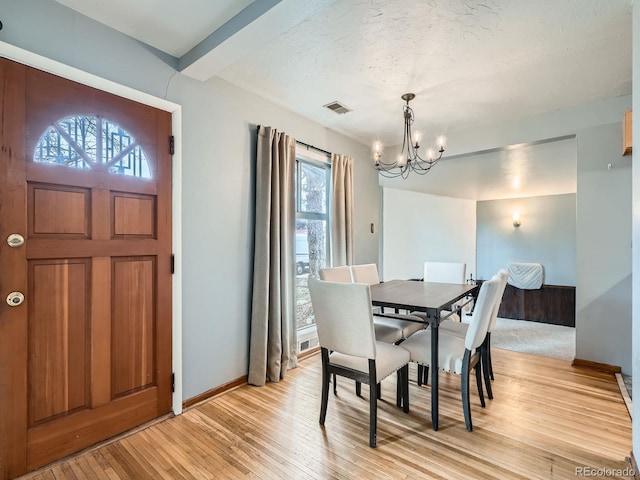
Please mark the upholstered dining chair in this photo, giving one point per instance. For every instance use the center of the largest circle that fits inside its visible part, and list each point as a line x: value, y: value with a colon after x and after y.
x: 349, y: 348
x: 384, y: 332
x: 442, y: 272
x: 459, y: 329
x: 445, y: 272
x: 336, y: 274
x: 459, y: 355
x: 368, y: 273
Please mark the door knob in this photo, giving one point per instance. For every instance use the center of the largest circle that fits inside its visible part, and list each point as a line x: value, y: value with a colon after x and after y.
x: 15, y: 298
x: 15, y: 240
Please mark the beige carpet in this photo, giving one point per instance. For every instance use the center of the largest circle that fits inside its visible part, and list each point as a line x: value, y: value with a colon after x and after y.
x: 534, y: 337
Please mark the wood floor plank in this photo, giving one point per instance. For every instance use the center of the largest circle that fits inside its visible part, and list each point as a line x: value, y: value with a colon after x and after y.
x: 547, y: 419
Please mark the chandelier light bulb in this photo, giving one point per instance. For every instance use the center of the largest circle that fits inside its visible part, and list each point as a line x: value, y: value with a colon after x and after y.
x: 416, y: 138
x: 377, y: 151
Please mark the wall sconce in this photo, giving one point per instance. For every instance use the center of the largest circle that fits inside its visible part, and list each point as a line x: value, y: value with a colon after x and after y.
x: 516, y: 219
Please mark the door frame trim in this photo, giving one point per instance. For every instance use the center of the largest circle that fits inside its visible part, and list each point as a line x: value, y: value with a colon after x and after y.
x: 40, y: 62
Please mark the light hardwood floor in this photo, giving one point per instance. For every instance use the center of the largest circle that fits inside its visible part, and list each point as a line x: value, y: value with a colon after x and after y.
x: 547, y: 419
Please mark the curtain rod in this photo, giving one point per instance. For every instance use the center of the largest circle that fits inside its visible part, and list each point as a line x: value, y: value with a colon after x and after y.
x: 312, y: 147
x: 308, y: 146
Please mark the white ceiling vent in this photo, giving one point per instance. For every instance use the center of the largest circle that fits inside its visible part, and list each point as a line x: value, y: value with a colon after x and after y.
x: 337, y: 107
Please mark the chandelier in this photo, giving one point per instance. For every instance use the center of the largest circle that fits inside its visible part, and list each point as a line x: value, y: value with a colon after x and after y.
x: 408, y: 160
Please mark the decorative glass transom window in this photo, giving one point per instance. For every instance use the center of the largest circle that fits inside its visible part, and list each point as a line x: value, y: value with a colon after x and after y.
x: 92, y: 143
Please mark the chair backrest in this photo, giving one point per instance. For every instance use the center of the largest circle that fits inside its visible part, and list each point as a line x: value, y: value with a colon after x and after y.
x: 336, y: 274
x: 366, y: 273
x: 343, y: 317
x: 504, y: 277
x: 482, y: 312
x: 445, y: 272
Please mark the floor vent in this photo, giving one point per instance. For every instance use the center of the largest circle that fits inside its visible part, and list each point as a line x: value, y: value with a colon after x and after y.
x: 307, y: 343
x: 337, y: 107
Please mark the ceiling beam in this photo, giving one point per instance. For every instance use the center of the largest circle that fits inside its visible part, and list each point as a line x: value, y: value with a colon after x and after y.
x: 255, y: 26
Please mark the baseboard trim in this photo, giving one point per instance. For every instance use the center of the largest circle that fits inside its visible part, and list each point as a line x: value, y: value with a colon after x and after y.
x: 238, y: 382
x: 308, y: 353
x: 603, y: 367
x: 625, y: 394
x: 634, y: 465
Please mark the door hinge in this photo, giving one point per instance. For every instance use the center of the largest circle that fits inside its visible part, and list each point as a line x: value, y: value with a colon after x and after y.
x: 173, y: 264
x: 173, y: 382
x: 172, y: 145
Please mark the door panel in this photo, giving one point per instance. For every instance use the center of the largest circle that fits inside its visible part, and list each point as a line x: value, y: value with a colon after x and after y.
x: 88, y: 354
x: 58, y: 338
x: 134, y: 215
x: 133, y: 333
x: 58, y: 210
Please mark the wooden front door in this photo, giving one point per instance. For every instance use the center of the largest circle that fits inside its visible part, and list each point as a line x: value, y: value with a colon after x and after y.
x: 85, y: 179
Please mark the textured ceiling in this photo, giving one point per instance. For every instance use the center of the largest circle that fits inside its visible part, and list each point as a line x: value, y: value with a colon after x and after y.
x: 469, y: 62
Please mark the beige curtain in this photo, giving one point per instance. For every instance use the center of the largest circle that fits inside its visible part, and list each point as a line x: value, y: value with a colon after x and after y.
x: 342, y: 220
x: 273, y: 345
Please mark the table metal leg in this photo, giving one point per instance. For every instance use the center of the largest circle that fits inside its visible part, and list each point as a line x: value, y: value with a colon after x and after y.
x: 434, y: 374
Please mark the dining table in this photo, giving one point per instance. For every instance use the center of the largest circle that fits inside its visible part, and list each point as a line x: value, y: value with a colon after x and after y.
x: 431, y: 298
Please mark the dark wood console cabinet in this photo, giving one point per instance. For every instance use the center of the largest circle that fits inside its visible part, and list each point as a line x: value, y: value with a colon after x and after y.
x: 553, y: 304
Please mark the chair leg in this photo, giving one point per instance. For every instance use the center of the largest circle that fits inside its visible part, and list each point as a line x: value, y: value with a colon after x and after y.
x: 358, y: 389
x: 425, y: 373
x: 419, y: 378
x: 464, y: 387
x: 379, y: 391
x: 373, y: 405
x: 477, y: 368
x: 335, y: 384
x: 484, y: 353
x: 325, y: 386
x: 489, y: 355
x: 404, y: 374
x: 399, y: 392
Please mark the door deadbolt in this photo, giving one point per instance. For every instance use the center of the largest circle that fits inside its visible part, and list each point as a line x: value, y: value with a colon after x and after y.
x: 15, y: 240
x: 15, y: 298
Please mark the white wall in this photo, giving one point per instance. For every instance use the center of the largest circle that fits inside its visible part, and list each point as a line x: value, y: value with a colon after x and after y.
x: 603, y: 293
x: 420, y: 227
x: 218, y: 128
x: 547, y: 235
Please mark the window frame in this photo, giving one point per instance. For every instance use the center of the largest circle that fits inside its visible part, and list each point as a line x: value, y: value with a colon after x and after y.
x: 319, y: 159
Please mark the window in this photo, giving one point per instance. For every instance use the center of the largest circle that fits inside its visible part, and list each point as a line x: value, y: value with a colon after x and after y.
x: 313, y: 178
x: 92, y: 142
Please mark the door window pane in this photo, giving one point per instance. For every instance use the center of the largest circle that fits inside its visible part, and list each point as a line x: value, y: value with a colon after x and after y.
x: 92, y: 142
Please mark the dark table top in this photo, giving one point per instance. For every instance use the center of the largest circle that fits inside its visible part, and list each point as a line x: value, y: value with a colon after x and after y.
x: 419, y: 296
